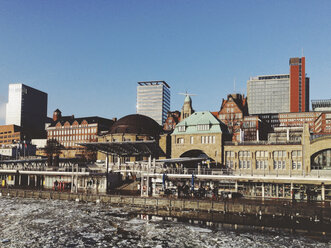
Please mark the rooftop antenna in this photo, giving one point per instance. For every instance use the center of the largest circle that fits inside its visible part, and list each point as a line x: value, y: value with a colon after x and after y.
x: 187, y: 94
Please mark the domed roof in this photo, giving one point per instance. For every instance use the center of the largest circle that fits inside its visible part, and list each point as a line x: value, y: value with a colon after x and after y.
x: 136, y: 124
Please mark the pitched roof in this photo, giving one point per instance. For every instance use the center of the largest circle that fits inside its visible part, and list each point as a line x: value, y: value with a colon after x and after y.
x: 199, y: 118
x: 91, y: 119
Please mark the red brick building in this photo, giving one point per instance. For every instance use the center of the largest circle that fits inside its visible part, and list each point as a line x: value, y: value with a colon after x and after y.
x: 323, y: 123
x: 173, y: 117
x: 299, y: 86
x: 232, y: 114
x: 69, y: 131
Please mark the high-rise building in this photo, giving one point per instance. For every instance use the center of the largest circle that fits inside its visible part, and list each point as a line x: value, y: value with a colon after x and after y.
x: 153, y: 100
x: 280, y: 93
x: 27, y: 108
x: 299, y: 86
x: 268, y: 94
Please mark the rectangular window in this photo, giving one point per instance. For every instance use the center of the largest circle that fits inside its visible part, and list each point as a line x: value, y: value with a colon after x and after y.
x: 203, y: 127
x: 299, y: 165
x: 192, y: 139
x: 181, y: 128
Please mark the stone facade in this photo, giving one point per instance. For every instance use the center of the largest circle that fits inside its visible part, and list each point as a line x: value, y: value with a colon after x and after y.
x: 292, y: 157
x: 183, y: 144
x: 198, y: 135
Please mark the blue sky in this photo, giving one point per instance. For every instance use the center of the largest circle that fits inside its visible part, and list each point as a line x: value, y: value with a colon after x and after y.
x: 89, y: 55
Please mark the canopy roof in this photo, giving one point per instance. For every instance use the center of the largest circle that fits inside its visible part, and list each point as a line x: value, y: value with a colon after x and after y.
x: 127, y: 148
x: 180, y: 160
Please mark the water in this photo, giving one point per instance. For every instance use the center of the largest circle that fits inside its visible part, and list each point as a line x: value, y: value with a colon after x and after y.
x: 52, y: 223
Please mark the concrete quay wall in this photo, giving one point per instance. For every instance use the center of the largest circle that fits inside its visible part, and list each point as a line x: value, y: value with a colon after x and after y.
x: 319, y: 211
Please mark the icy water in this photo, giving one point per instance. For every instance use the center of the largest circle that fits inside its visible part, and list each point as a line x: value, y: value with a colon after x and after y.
x: 52, y: 223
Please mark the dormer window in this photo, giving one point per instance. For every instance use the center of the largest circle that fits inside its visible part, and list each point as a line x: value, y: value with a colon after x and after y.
x: 181, y: 128
x: 203, y: 127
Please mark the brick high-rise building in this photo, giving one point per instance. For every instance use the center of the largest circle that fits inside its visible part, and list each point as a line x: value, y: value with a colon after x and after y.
x: 299, y: 86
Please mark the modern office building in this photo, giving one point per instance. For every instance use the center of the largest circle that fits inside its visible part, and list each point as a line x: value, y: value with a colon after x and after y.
x: 153, y: 100
x: 280, y: 93
x: 27, y: 108
x: 268, y: 94
x: 321, y: 105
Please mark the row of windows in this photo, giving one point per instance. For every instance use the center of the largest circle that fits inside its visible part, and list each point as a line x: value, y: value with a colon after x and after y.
x: 80, y: 138
x: 207, y: 139
x: 244, y: 164
x: 264, y: 154
x: 201, y: 127
x: 74, y: 131
x: 72, y: 126
x: 6, y: 132
x: 68, y: 144
x: 9, y: 136
x: 231, y: 116
x: 204, y: 140
x: 263, y: 164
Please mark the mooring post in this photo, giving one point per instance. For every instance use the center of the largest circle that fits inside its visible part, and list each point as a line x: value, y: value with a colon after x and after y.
x: 323, y: 192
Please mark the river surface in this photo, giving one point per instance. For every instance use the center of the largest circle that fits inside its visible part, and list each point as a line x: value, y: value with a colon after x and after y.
x: 54, y: 223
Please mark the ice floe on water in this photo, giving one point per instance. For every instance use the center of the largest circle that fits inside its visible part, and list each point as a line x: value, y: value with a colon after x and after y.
x: 51, y: 223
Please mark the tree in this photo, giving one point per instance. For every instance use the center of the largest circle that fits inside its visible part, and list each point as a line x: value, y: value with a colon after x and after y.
x: 53, y: 150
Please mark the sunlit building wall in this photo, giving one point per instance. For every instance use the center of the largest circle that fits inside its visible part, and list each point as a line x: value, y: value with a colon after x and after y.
x: 268, y: 94
x: 27, y: 107
x: 153, y: 100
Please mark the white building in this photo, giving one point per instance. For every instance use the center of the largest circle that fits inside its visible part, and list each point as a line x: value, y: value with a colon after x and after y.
x: 268, y: 94
x: 321, y: 105
x: 27, y: 107
x: 153, y: 100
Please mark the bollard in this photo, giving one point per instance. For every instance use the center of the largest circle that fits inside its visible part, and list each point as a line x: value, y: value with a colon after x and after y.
x: 77, y: 199
x: 97, y: 201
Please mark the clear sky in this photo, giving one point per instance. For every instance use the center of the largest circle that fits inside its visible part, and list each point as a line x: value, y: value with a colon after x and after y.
x: 89, y: 55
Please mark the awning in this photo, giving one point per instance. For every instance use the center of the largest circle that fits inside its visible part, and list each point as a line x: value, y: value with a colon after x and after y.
x: 127, y: 148
x: 180, y: 160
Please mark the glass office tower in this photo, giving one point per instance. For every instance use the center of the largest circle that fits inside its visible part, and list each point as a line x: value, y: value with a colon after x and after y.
x: 27, y: 107
x: 153, y: 100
